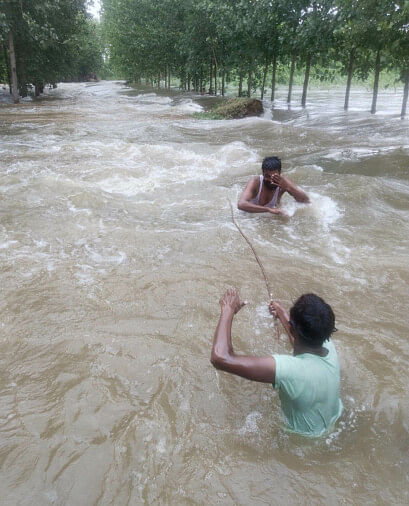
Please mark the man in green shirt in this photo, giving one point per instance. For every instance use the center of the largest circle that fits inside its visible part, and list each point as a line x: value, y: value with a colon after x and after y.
x: 307, y: 381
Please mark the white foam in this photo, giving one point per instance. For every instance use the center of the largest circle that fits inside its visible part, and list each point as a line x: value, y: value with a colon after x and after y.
x: 324, y: 209
x: 7, y: 244
x: 153, y: 97
x: 127, y: 186
x: 51, y: 496
x: 76, y: 210
x: 171, y: 164
x: 236, y: 152
x: 84, y: 276
x: 41, y: 243
x: 318, y: 168
x: 98, y: 258
x: 188, y: 106
x: 250, y: 425
x: 161, y: 446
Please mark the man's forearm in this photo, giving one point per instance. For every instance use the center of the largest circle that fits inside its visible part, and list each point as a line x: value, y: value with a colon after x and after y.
x: 285, y: 321
x: 253, y: 208
x: 222, y: 345
x: 298, y: 194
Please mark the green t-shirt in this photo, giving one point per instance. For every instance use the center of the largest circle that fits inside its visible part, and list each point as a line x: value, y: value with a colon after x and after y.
x: 309, y: 390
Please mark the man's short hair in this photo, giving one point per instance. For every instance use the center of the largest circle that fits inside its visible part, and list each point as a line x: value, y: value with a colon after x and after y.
x: 271, y: 163
x: 312, y: 319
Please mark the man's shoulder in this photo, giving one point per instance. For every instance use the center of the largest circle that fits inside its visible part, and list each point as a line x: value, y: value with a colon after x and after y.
x: 289, y: 369
x: 254, y: 179
x: 253, y: 184
x: 288, y: 363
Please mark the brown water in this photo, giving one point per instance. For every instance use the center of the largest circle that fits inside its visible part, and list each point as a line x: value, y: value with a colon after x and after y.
x: 116, y: 243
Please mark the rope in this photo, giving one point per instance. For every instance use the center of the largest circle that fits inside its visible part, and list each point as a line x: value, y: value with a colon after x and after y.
x: 269, y: 291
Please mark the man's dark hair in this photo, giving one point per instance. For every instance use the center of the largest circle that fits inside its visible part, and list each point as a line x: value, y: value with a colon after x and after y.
x: 312, y: 319
x: 271, y: 163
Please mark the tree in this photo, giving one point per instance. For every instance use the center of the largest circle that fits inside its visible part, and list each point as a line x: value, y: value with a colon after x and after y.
x: 399, y: 48
x: 201, y: 41
x: 46, y: 41
x: 350, y: 45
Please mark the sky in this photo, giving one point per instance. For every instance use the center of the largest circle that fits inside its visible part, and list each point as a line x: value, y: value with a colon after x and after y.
x: 94, y: 9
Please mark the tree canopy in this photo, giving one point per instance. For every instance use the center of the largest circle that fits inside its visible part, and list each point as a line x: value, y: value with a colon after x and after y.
x: 46, y: 41
x: 204, y: 42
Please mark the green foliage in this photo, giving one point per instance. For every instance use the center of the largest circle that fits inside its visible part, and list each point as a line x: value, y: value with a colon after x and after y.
x: 207, y: 115
x: 196, y: 40
x: 233, y: 108
x: 54, y: 40
x: 146, y: 37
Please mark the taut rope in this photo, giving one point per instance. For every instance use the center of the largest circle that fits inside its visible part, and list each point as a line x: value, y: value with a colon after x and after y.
x: 270, y: 293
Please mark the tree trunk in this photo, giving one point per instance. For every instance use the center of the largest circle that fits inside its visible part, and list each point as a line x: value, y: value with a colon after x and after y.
x: 13, y: 70
x: 7, y: 62
x: 264, y: 80
x: 215, y: 78
x: 223, y: 82
x: 211, y: 77
x: 376, y: 81
x: 38, y: 88
x: 405, y: 95
x: 188, y: 81
x: 306, y: 79
x: 201, y: 80
x: 273, y: 78
x: 240, y: 83
x: 350, y: 72
x: 290, y: 84
x: 158, y: 81
x: 249, y: 83
x: 169, y: 77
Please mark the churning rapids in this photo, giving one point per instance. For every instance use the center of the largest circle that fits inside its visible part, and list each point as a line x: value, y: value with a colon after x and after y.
x: 116, y: 242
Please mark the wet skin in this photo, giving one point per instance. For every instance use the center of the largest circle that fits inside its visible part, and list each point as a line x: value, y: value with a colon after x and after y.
x: 271, y: 180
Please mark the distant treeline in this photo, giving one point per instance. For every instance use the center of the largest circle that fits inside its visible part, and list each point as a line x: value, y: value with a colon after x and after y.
x: 205, y: 43
x: 43, y: 42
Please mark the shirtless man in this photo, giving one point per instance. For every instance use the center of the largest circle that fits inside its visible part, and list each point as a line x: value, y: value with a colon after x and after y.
x: 263, y: 193
x: 308, y: 381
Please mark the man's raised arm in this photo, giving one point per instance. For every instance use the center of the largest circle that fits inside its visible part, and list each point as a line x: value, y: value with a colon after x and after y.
x: 223, y: 357
x: 291, y: 188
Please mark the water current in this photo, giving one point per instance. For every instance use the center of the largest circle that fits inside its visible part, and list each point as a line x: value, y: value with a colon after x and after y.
x: 116, y: 242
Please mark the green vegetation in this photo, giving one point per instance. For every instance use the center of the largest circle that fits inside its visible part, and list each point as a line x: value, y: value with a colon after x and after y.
x: 44, y: 42
x: 256, y: 44
x: 207, y: 115
x: 233, y: 108
x: 236, y: 108
x: 208, y: 45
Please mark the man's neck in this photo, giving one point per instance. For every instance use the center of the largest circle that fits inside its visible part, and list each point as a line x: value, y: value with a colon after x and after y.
x: 301, y: 348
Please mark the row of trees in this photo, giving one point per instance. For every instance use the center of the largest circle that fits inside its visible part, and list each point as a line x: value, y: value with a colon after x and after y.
x: 44, y: 42
x: 206, y: 43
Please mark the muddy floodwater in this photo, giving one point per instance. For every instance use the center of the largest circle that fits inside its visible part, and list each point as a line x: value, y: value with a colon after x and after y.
x: 116, y: 242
